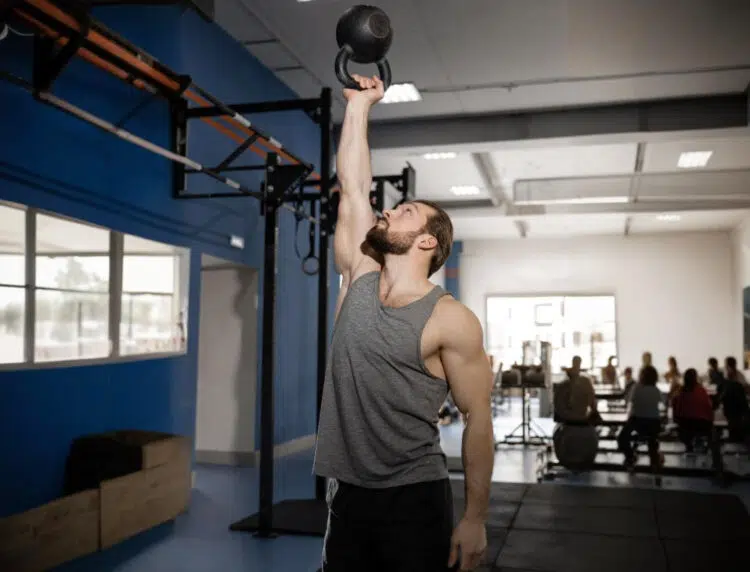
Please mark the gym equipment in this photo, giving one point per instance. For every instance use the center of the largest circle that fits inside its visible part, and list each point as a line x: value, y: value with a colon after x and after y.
x: 77, y: 34
x: 364, y: 36
x: 530, y: 377
x: 576, y: 446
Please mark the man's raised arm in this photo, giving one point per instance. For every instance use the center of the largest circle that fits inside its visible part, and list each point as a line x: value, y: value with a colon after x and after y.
x: 355, y: 216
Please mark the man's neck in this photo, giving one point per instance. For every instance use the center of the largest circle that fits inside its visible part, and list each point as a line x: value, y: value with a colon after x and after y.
x: 401, y: 274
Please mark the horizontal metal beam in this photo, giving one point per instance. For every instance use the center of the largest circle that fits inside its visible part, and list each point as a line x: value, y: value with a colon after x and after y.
x: 679, y: 114
x: 260, y: 107
x: 657, y: 206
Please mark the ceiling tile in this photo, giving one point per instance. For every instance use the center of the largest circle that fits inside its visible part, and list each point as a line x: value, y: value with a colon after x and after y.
x: 727, y: 154
x: 239, y: 21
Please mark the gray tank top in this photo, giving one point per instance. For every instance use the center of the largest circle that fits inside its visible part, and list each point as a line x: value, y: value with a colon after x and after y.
x: 378, y: 417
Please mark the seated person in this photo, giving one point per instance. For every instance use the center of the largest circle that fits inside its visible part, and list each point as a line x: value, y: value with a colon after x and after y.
x: 644, y: 418
x: 628, y: 383
x: 715, y: 377
x: 609, y: 373
x: 733, y: 398
x: 673, y: 377
x: 693, y: 412
x: 575, y: 399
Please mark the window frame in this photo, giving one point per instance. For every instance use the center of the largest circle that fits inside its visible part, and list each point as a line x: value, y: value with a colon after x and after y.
x: 562, y: 296
x: 180, y: 296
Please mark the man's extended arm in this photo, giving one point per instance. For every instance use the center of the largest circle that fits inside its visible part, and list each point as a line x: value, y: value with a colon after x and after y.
x: 355, y: 216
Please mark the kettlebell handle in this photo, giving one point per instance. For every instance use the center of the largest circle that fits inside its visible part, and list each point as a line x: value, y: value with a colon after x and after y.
x: 343, y: 75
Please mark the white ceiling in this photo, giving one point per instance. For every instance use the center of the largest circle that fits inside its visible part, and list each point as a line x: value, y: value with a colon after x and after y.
x: 472, y: 56
x: 487, y: 56
x: 491, y: 226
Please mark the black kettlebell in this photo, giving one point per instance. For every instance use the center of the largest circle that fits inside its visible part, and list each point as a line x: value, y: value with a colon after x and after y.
x: 364, y: 36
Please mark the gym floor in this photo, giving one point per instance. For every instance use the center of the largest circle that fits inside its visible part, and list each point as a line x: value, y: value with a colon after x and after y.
x: 200, y: 540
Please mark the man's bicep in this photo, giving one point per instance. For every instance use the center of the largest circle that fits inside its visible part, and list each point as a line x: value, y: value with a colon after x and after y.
x: 466, y: 366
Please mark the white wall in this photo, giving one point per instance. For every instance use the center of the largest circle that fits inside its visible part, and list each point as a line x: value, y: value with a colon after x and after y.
x: 227, y: 363
x: 675, y: 293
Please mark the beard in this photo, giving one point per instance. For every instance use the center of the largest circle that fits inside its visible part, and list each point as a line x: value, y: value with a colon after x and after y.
x: 383, y: 242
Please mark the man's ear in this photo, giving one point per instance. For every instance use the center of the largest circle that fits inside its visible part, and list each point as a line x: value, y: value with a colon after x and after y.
x: 427, y: 242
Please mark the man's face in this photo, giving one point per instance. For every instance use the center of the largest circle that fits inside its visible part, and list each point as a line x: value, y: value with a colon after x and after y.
x: 399, y: 228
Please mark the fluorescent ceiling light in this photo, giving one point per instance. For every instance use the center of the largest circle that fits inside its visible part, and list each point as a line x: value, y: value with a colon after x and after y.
x: 465, y: 191
x: 669, y: 217
x: 402, y: 93
x: 436, y: 156
x: 694, y: 159
x: 576, y: 201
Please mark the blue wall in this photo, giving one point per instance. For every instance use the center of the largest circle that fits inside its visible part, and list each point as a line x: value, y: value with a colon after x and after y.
x: 58, y: 163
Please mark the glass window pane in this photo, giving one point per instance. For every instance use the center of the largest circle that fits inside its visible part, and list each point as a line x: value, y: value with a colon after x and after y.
x: 12, y: 311
x: 152, y: 320
x: 71, y: 325
x: 149, y: 325
x: 71, y: 255
x: 12, y: 245
x: 59, y: 236
x: 81, y: 273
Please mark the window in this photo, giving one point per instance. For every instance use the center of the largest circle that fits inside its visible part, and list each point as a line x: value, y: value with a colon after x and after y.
x: 152, y: 317
x: 12, y: 284
x: 74, y: 291
x: 573, y: 325
x: 71, y: 290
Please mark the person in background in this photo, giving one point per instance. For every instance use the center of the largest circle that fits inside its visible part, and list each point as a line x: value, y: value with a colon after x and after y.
x: 646, y: 359
x: 715, y: 377
x: 733, y: 398
x: 628, y: 383
x: 673, y: 377
x: 694, y: 414
x: 575, y: 399
x: 644, y: 419
x: 609, y: 373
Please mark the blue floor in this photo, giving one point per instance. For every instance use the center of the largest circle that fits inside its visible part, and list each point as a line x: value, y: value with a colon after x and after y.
x: 200, y: 540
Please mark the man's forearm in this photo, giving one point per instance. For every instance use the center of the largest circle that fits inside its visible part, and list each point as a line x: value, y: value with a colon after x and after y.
x: 478, y: 459
x: 353, y: 160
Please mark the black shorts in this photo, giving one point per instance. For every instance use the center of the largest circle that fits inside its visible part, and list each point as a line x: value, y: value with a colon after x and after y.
x: 399, y: 529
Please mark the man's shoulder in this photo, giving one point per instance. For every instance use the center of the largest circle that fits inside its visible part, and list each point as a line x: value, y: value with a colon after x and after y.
x: 452, y: 318
x: 449, y: 309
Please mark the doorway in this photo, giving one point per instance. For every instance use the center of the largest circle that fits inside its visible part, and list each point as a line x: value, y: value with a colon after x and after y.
x: 227, y: 363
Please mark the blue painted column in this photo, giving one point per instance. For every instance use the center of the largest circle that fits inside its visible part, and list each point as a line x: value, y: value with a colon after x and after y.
x: 452, y: 266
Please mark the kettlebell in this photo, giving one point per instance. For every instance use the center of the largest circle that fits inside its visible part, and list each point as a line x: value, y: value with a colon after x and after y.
x: 364, y: 36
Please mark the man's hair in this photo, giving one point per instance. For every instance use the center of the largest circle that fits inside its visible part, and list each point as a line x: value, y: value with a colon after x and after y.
x: 649, y: 375
x: 440, y: 226
x: 731, y: 363
x: 713, y: 362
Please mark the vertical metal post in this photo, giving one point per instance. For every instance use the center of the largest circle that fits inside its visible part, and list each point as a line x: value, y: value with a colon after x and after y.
x: 29, y: 324
x: 116, y: 248
x: 270, y: 207
x: 323, y: 271
x: 179, y: 133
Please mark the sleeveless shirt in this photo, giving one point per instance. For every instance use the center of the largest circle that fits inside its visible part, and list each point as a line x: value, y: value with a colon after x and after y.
x: 378, y: 416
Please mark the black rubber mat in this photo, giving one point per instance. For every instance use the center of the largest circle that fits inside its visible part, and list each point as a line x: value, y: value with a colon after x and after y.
x: 590, y: 496
x: 717, y: 526
x: 569, y: 552
x: 730, y: 506
x: 587, y: 519
x: 707, y: 555
x: 499, y: 492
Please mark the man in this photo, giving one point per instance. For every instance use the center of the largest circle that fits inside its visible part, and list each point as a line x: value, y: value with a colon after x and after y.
x: 733, y: 399
x: 575, y: 398
x: 399, y: 346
